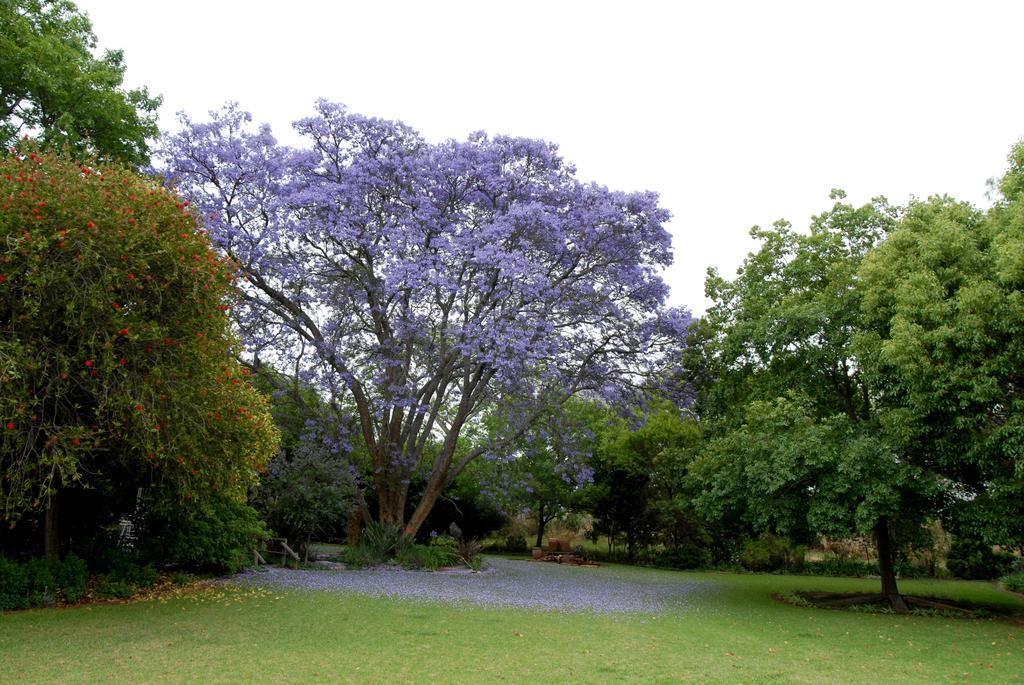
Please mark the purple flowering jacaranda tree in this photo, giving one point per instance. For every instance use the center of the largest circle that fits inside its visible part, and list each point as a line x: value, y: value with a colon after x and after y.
x: 431, y: 282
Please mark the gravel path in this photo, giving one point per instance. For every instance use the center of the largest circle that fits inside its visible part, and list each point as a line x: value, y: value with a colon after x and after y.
x: 506, y: 583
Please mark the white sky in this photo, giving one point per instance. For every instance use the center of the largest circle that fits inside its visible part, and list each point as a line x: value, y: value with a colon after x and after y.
x: 736, y: 113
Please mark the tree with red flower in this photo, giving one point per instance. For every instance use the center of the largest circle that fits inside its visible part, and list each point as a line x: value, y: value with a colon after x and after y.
x: 65, y: 315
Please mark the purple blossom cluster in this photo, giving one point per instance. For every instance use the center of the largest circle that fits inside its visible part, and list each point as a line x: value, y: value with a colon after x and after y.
x: 506, y: 583
x: 428, y: 283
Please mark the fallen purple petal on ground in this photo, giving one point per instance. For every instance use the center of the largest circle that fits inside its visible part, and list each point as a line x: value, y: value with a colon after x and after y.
x: 506, y: 583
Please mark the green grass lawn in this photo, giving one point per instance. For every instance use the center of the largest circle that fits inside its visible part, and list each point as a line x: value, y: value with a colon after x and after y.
x: 736, y: 635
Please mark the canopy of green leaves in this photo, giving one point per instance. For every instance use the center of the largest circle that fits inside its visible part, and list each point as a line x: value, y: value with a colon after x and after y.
x: 54, y: 89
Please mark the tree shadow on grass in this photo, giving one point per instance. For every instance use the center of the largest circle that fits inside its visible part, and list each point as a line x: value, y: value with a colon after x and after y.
x: 919, y: 606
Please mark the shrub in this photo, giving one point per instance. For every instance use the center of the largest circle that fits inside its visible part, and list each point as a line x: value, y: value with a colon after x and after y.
x: 1014, y: 581
x: 135, y: 575
x: 182, y: 578
x: 906, y: 568
x: 218, y: 535
x: 306, y: 494
x: 430, y: 557
x: 839, y: 566
x: 414, y: 556
x: 13, y: 585
x: 770, y: 553
x: 38, y: 582
x: 359, y: 556
x: 71, y: 575
x: 516, y: 544
x: 683, y: 557
x: 106, y: 587
x: 379, y: 542
x: 40, y: 587
x: 125, y: 575
x: 448, y: 545
x: 974, y: 560
x: 469, y: 553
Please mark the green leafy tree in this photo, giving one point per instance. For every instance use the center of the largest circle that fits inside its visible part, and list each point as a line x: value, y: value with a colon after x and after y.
x: 117, y: 357
x: 53, y: 88
x: 619, y: 499
x: 641, y: 494
x: 944, y: 302
x: 796, y: 445
x: 668, y: 442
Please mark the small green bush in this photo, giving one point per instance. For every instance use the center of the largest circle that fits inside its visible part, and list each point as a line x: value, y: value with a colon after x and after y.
x: 358, y: 556
x: 683, y: 557
x: 839, y: 567
x: 71, y: 576
x: 770, y: 553
x: 38, y: 582
x: 218, y: 535
x: 182, y: 578
x: 135, y: 575
x: 107, y: 587
x: 42, y: 591
x: 414, y: 556
x: 447, y: 543
x: 306, y: 494
x: 442, y: 551
x: 378, y: 543
x: 516, y: 544
x: 1014, y: 581
x: 906, y: 569
x: 974, y: 560
x: 13, y: 585
x: 124, y: 576
x: 428, y: 557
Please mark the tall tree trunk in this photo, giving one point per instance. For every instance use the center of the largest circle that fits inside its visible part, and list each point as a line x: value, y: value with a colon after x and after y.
x: 887, y: 566
x: 435, y: 486
x: 440, y: 473
x: 362, y: 511
x: 540, y: 525
x: 51, y: 529
x: 391, y: 505
x: 354, y: 528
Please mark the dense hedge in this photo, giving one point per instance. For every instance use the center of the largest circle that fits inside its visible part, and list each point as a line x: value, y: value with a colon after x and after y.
x: 38, y: 582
